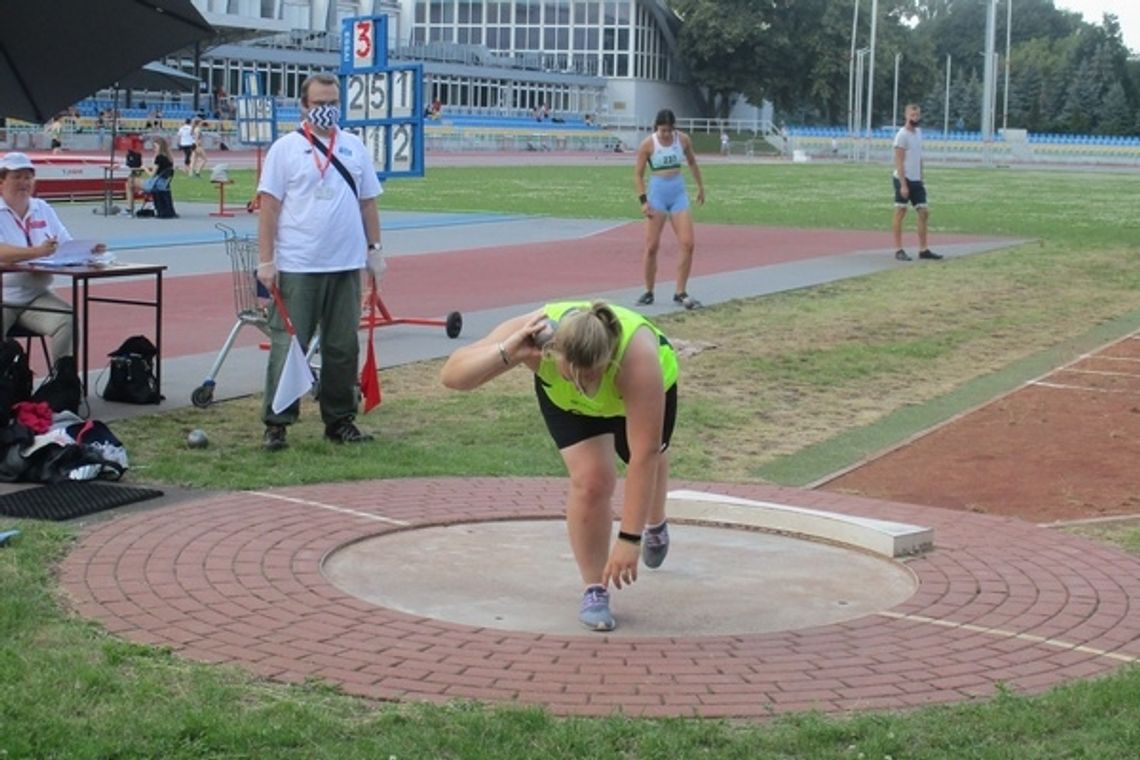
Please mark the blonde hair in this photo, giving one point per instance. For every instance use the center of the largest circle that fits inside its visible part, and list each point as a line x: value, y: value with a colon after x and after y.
x: 586, y: 338
x: 163, y: 147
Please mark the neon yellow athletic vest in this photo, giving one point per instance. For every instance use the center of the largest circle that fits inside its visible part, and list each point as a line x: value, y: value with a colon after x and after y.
x: 608, y: 401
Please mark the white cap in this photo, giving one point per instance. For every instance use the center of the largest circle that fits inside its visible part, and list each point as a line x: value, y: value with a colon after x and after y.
x: 15, y: 161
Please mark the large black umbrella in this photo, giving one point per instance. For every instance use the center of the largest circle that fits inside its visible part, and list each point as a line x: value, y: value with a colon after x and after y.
x: 159, y: 78
x: 56, y: 52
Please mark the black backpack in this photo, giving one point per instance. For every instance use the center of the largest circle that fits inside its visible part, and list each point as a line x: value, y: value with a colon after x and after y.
x: 132, y: 379
x: 62, y: 390
x: 15, y: 378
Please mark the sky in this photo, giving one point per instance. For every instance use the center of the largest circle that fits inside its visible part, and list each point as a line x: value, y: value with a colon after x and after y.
x: 1126, y: 11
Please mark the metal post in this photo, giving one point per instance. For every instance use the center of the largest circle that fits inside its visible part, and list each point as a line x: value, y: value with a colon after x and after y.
x: 871, y: 76
x: 946, y: 109
x: 1005, y: 90
x: 988, y: 76
x: 851, y: 122
x: 860, y: 56
x: 895, y: 107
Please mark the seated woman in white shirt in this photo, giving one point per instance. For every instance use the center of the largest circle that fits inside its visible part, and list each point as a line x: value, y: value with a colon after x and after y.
x: 30, y: 229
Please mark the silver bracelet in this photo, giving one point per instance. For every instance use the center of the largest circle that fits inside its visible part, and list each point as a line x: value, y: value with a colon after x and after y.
x: 503, y: 355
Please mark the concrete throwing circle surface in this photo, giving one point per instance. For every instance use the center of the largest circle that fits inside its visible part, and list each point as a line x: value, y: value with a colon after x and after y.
x: 238, y: 578
x: 521, y: 576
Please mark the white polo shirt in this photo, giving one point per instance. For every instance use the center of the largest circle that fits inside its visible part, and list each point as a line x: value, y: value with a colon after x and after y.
x: 40, y: 222
x: 320, y: 228
x: 911, y: 142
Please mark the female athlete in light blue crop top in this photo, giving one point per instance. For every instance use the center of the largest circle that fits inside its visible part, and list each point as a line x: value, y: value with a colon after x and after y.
x: 662, y: 153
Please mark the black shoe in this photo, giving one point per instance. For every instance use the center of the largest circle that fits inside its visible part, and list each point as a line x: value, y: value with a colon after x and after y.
x: 274, y: 439
x: 930, y: 255
x: 346, y: 432
x: 686, y: 300
x: 902, y: 255
x: 646, y: 298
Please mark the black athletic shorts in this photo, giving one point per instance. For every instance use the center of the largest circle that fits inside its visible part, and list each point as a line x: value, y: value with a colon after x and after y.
x: 917, y: 193
x: 568, y: 428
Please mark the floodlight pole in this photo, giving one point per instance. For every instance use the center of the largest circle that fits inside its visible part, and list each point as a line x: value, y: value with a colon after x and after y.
x: 946, y: 108
x: 871, y: 76
x: 988, y: 84
x: 895, y: 107
x: 1005, y: 90
x: 851, y: 124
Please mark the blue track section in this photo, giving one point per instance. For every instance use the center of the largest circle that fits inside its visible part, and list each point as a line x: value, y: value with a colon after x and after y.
x: 248, y: 226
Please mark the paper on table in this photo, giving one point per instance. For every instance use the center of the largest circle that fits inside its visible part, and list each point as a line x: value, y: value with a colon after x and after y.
x: 70, y: 253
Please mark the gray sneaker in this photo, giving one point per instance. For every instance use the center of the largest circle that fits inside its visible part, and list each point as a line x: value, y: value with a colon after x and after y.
x: 595, y: 611
x: 655, y: 545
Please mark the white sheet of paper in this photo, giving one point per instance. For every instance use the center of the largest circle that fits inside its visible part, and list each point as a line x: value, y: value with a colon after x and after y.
x: 70, y: 253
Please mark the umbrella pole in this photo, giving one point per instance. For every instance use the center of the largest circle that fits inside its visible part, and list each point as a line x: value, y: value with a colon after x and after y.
x: 109, y: 207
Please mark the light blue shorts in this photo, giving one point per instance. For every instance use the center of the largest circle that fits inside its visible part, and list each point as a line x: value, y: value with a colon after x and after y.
x: 668, y: 193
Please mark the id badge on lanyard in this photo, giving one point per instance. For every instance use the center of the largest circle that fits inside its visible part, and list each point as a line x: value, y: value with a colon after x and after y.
x: 322, y: 193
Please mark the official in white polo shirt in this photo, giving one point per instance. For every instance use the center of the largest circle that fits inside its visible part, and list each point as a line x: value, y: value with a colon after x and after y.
x: 29, y: 230
x: 319, y: 227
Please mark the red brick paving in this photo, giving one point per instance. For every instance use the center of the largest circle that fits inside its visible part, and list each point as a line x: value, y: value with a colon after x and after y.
x: 236, y: 579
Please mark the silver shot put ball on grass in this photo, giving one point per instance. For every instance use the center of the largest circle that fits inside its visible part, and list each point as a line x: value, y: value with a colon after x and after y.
x: 197, y: 439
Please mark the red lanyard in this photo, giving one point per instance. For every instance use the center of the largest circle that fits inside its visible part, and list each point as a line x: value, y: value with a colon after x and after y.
x: 316, y: 158
x: 25, y: 228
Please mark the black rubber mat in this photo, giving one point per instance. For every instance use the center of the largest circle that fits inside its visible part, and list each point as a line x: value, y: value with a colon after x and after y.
x: 63, y: 501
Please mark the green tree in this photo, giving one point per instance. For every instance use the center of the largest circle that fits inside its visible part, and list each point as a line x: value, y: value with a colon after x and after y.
x: 1082, y: 100
x: 1115, y: 116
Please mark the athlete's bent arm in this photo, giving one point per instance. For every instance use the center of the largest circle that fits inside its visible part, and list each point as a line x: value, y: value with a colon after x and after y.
x: 508, y: 345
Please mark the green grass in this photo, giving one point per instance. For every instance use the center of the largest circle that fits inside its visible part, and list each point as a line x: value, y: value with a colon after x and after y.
x: 783, y: 387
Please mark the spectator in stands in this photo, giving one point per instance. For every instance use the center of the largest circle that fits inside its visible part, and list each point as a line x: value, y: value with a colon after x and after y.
x: 319, y: 227
x: 909, y: 187
x: 157, y: 176
x: 663, y: 153
x: 436, y: 109
x: 29, y: 230
x: 198, y: 157
x: 186, y: 143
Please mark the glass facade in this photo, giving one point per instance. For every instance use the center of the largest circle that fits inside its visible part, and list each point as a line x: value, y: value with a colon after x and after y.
x: 594, y: 37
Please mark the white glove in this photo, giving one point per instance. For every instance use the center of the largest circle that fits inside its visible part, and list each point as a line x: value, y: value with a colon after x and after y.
x: 267, y: 274
x: 377, y: 264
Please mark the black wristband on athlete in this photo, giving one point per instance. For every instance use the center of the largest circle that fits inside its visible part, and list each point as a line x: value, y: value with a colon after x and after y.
x: 633, y: 538
x: 643, y: 198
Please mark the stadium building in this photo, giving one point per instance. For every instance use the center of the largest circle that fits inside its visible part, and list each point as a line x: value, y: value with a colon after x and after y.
x: 611, y: 60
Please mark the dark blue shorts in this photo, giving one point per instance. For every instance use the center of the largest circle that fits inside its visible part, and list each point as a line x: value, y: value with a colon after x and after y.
x: 917, y: 193
x: 567, y: 428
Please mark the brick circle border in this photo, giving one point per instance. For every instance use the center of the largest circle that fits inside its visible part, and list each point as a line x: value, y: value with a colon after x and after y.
x: 237, y: 579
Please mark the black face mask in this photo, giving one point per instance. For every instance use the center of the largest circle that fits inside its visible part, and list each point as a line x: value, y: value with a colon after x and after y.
x: 915, y: 122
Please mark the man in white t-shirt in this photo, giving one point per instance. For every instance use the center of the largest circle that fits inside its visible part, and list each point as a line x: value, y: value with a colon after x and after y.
x: 909, y: 187
x: 186, y: 143
x: 316, y: 233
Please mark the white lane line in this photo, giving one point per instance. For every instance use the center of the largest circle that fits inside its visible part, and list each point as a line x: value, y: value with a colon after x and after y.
x: 1064, y: 387
x: 1000, y: 633
x: 1098, y: 372
x: 331, y: 508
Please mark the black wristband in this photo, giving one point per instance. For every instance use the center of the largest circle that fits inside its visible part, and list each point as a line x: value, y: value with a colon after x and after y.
x: 643, y: 198
x: 633, y: 538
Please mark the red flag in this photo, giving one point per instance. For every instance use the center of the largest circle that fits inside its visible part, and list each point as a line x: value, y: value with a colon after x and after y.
x: 370, y: 374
